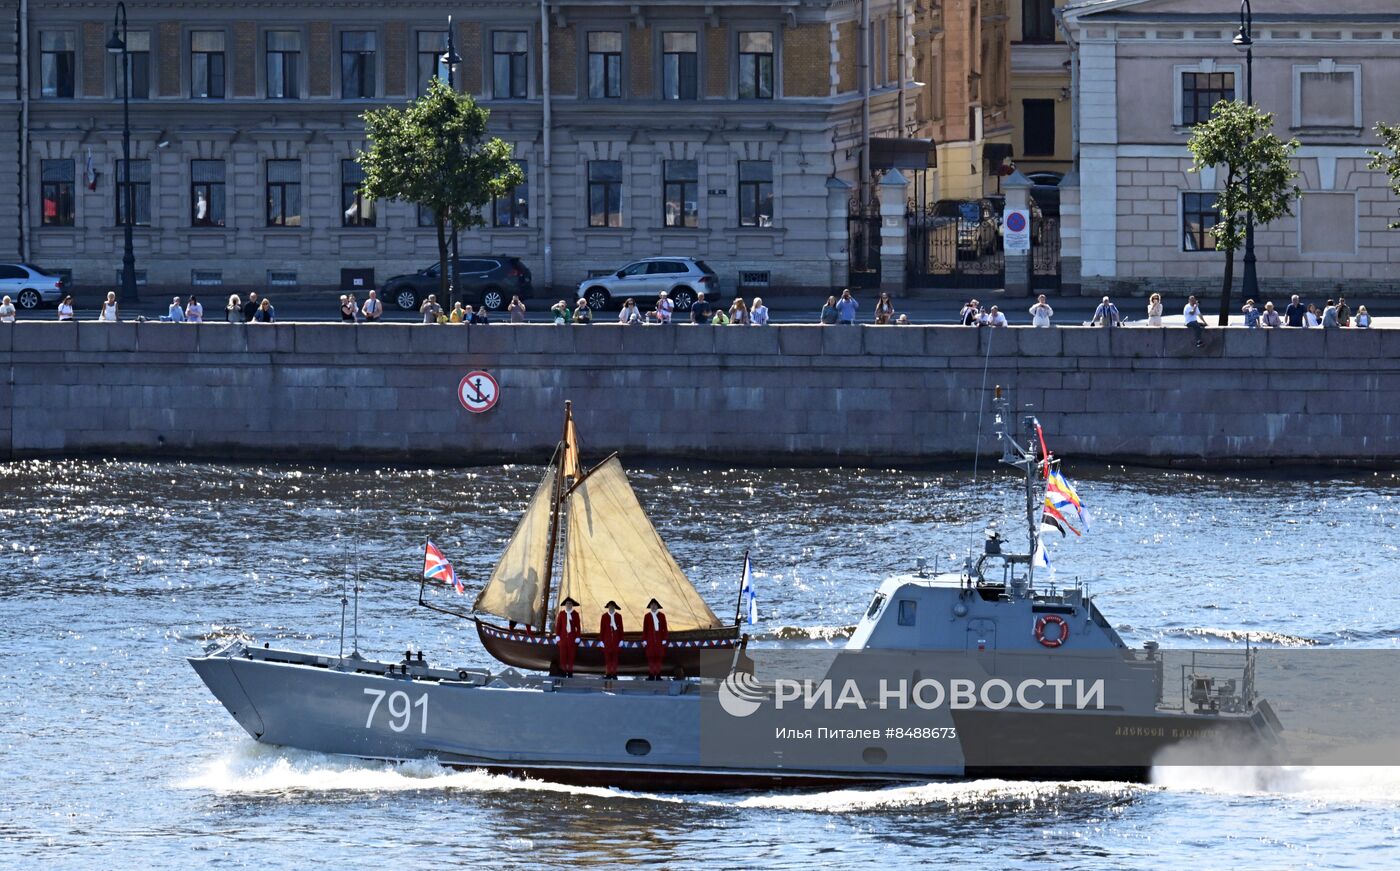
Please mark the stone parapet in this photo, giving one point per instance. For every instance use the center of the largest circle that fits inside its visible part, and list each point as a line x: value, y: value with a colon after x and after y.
x: 782, y: 394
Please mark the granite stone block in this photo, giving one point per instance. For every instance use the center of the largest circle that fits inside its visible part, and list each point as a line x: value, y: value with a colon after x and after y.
x: 895, y: 341
x: 799, y: 340
x: 42, y: 336
x: 843, y: 340
x: 1038, y: 342
x: 270, y: 338
x: 223, y: 338
x: 698, y: 339
x: 336, y: 339
x: 160, y: 338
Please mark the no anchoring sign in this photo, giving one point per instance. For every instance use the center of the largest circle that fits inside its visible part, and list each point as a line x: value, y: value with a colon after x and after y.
x: 478, y: 392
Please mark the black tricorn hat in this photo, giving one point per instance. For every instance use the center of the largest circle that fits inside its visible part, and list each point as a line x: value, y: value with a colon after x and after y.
x: 568, y: 600
x: 611, y: 604
x: 653, y: 602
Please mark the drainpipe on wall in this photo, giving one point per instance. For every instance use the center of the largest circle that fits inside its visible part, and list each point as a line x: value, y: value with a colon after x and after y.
x: 903, y: 35
x: 548, y: 161
x: 863, y: 56
x: 24, y: 130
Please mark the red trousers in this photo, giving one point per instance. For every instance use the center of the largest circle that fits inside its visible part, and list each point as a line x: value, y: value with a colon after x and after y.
x: 610, y: 655
x: 656, y: 653
x: 567, y: 649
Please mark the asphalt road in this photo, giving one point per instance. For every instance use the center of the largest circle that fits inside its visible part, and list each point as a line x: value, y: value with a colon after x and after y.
x: 940, y: 309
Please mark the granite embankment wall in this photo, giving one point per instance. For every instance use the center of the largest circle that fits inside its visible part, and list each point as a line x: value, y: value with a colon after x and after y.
x: 798, y: 394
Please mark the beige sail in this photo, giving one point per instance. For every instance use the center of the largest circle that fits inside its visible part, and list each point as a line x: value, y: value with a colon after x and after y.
x: 613, y: 552
x: 570, y: 463
x: 518, y: 586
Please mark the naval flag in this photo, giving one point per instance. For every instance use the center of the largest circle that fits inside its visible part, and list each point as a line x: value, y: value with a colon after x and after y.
x: 748, y: 600
x: 437, y: 568
x: 1041, y: 560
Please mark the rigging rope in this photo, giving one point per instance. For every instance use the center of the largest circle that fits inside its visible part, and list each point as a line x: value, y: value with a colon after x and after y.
x: 981, y: 415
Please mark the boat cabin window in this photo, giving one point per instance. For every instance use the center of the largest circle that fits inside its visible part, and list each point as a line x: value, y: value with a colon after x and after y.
x: 907, y: 610
x: 875, y: 606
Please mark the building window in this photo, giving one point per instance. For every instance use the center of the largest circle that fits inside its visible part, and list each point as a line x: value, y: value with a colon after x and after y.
x: 510, y: 76
x: 57, y: 63
x: 1198, y: 215
x: 357, y: 65
x: 1037, y: 20
x: 682, y: 193
x: 1038, y: 128
x: 756, y: 65
x: 425, y: 217
x: 207, y: 65
x: 605, y: 193
x: 513, y: 209
x: 356, y: 209
x: 207, y: 193
x: 680, y: 67
x: 284, y: 193
x: 140, y: 184
x: 1201, y: 91
x: 605, y: 65
x: 432, y: 47
x: 283, y: 65
x: 755, y: 193
x: 138, y: 79
x: 56, y: 192
x: 1327, y: 95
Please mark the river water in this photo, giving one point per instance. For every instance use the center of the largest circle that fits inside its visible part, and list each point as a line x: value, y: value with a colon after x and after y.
x: 116, y: 756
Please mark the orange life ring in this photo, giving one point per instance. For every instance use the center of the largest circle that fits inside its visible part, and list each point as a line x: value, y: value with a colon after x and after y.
x: 1046, y: 620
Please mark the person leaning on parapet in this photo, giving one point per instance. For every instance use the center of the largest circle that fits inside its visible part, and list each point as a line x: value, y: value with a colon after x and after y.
x: 7, y: 311
x: 478, y: 316
x: 1154, y: 310
x: 582, y: 313
x: 758, y: 315
x: 1330, y: 320
x: 628, y: 314
x: 65, y: 310
x: 233, y: 312
x: 1251, y: 314
x: 1270, y: 317
x: 1312, y: 317
x: 1195, y: 321
x: 516, y: 310
x: 884, y: 309
x: 967, y: 316
x: 828, y: 315
x: 1343, y: 312
x: 995, y: 318
x: 265, y: 314
x: 1041, y: 312
x: 664, y: 308
x: 700, y: 310
x: 902, y: 321
x: 1106, y: 315
x: 373, y: 309
x: 176, y: 313
x: 347, y: 309
x: 250, y: 308
x: 194, y: 311
x: 1296, y: 313
x: 560, y: 312
x: 739, y: 313
x: 458, y: 314
x: 108, y: 312
x: 1363, y: 318
x: 430, y: 309
x: 719, y: 318
x: 846, y: 308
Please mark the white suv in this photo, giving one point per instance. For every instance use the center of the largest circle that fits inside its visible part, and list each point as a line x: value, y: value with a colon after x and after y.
x: 681, y: 277
x: 29, y: 286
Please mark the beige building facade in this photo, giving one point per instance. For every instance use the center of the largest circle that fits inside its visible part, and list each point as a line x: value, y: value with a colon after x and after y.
x: 733, y: 132
x: 1149, y: 69
x: 1041, y: 109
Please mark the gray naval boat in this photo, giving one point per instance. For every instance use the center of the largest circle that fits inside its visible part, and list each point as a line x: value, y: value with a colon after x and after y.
x: 991, y: 616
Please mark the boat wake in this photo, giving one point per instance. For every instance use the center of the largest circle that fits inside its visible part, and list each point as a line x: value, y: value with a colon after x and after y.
x: 952, y: 795
x: 257, y: 769
x: 1239, y: 636
x: 1333, y: 784
x: 807, y: 633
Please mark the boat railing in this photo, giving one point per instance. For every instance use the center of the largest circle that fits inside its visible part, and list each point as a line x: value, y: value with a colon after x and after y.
x: 1218, y: 681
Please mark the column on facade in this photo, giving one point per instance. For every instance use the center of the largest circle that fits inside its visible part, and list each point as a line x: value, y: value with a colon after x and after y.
x: 893, y: 230
x: 1017, y: 188
x: 838, y: 205
x: 1071, y: 252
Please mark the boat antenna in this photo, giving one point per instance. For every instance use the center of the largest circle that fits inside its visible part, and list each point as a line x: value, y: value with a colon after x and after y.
x: 355, y: 650
x: 344, y: 602
x: 981, y: 413
x: 1022, y: 457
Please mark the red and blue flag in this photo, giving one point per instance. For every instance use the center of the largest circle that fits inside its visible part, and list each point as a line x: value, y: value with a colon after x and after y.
x: 437, y: 568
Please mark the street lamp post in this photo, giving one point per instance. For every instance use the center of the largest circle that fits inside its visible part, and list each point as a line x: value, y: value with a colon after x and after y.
x: 451, y: 59
x: 117, y: 45
x: 1244, y: 41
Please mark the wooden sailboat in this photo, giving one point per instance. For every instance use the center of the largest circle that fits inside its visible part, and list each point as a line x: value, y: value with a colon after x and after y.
x: 610, y: 551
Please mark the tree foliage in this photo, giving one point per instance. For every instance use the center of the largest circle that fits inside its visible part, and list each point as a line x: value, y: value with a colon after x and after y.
x: 1387, y: 159
x: 1238, y: 140
x: 435, y: 153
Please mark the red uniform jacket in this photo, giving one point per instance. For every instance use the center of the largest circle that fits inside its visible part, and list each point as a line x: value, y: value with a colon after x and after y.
x: 567, y: 626
x: 654, y: 628
x: 611, y: 637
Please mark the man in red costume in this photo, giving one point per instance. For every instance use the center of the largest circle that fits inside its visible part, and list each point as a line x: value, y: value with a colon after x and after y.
x: 610, y: 631
x: 567, y: 629
x: 654, y: 635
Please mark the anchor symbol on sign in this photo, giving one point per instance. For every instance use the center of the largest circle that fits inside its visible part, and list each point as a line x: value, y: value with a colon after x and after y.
x: 476, y: 388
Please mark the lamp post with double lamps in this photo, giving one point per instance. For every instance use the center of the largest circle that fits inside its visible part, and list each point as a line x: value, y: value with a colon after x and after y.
x: 1244, y: 41
x: 451, y: 59
x: 118, y: 45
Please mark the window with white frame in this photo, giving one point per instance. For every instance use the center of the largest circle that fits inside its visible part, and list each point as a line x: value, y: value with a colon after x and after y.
x: 1196, y: 88
x: 605, y: 64
x: 510, y: 70
x: 756, y: 65
x: 1327, y: 94
x: 1198, y: 215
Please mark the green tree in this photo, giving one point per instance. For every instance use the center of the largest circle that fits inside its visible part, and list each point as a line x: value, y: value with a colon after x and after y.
x: 1387, y: 159
x: 1239, y: 140
x: 435, y: 153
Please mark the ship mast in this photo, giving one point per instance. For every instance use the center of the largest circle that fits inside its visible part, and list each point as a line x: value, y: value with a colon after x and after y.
x: 554, y: 511
x: 1024, y: 458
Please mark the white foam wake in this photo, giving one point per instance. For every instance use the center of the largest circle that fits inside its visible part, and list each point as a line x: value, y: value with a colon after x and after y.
x: 1341, y: 784
x: 257, y: 768
x: 954, y: 794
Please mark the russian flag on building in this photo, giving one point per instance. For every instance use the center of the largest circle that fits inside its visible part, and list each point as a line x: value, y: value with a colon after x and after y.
x: 437, y: 568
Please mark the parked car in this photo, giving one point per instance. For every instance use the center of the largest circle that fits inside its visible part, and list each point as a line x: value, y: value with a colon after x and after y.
x: 977, y: 224
x: 482, y: 281
x: 680, y: 277
x: 1046, y: 192
x: 29, y: 286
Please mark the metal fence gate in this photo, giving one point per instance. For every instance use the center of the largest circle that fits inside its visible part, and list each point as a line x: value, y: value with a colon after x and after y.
x: 863, y: 245
x: 1045, y: 253
x: 944, y: 251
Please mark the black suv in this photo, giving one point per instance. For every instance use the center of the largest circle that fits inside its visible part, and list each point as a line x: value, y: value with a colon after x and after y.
x: 489, y: 282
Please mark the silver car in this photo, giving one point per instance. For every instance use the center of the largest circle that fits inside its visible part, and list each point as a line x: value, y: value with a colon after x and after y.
x: 681, y: 277
x: 29, y: 286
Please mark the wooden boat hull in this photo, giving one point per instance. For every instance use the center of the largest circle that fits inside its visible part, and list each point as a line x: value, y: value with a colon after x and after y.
x: 524, y: 649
